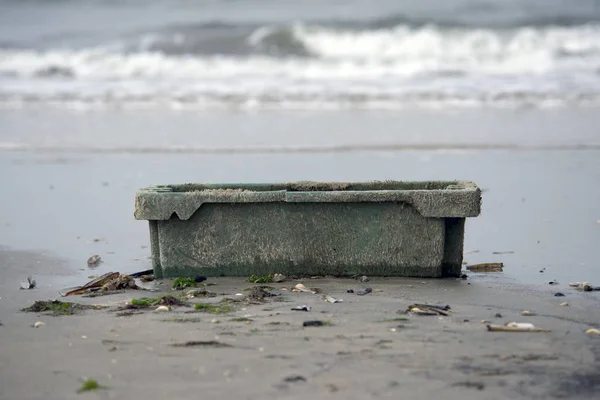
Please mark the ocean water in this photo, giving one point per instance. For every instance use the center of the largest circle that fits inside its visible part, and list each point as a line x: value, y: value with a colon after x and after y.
x: 283, y: 54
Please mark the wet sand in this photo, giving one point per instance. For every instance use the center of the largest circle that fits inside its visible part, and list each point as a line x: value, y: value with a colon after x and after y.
x: 364, y: 353
x: 70, y: 180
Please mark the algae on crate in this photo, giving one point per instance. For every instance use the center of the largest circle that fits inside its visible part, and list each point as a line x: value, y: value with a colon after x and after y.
x: 390, y: 228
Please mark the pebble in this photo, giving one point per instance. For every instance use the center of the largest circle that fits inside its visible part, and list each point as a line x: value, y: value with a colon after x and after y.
x: 559, y: 294
x: 498, y: 315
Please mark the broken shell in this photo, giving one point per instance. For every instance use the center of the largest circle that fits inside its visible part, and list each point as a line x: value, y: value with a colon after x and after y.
x: 522, y: 325
x: 28, y: 284
x: 301, y: 288
x: 162, y: 309
x: 565, y: 304
x: 302, y: 308
x: 332, y: 299
x: 279, y: 278
x: 38, y: 324
x: 527, y: 313
x: 585, y: 287
x: 593, y: 332
x: 515, y: 327
x: 94, y: 260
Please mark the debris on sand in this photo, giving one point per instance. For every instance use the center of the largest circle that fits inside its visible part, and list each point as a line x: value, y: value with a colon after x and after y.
x: 527, y: 313
x: 364, y: 278
x: 28, y: 284
x: 182, y: 283
x: 219, y: 308
x: 145, y: 302
x: 146, y: 278
x: 183, y: 319
x: 302, y: 308
x: 364, y: 291
x: 190, y: 294
x: 294, y: 378
x: 109, y: 282
x: 259, y: 293
x: 60, y: 307
x: 584, y: 286
x: 202, y: 343
x: 428, y: 309
x: 593, y: 332
x: 94, y: 261
x: 470, y: 385
x: 89, y: 385
x: 516, y: 327
x: 316, y: 323
x: 261, y: 279
x: 332, y: 299
x: 301, y: 288
x: 278, y: 278
x: 486, y: 267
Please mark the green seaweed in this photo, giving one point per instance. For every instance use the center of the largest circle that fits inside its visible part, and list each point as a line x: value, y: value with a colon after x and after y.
x: 58, y: 307
x: 182, y: 283
x: 144, y: 302
x: 89, y: 385
x: 261, y: 279
x: 166, y: 300
x: 220, y: 308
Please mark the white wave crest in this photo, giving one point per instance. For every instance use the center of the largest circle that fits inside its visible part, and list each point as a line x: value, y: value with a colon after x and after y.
x: 356, y: 67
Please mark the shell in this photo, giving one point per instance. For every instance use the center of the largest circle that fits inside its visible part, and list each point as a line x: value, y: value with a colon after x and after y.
x: 94, y: 260
x: 565, y: 304
x: 593, y: 332
x: 332, y: 299
x: 301, y: 288
x: 162, y: 309
x: 38, y: 324
x: 521, y: 325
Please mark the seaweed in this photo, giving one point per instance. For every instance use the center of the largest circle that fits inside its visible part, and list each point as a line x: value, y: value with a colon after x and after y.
x: 59, y: 307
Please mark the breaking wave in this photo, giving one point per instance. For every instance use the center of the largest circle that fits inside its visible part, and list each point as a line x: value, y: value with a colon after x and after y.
x: 384, y: 62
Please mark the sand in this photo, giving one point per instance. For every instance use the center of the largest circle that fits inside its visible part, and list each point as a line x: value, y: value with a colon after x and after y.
x: 364, y: 353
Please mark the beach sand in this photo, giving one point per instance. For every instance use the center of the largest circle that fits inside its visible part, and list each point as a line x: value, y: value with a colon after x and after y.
x: 368, y: 351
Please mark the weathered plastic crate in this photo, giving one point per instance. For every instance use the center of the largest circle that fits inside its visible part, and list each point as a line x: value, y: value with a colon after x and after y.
x: 389, y: 228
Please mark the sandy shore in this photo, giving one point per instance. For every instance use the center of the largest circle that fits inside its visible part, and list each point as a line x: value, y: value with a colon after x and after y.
x: 364, y: 353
